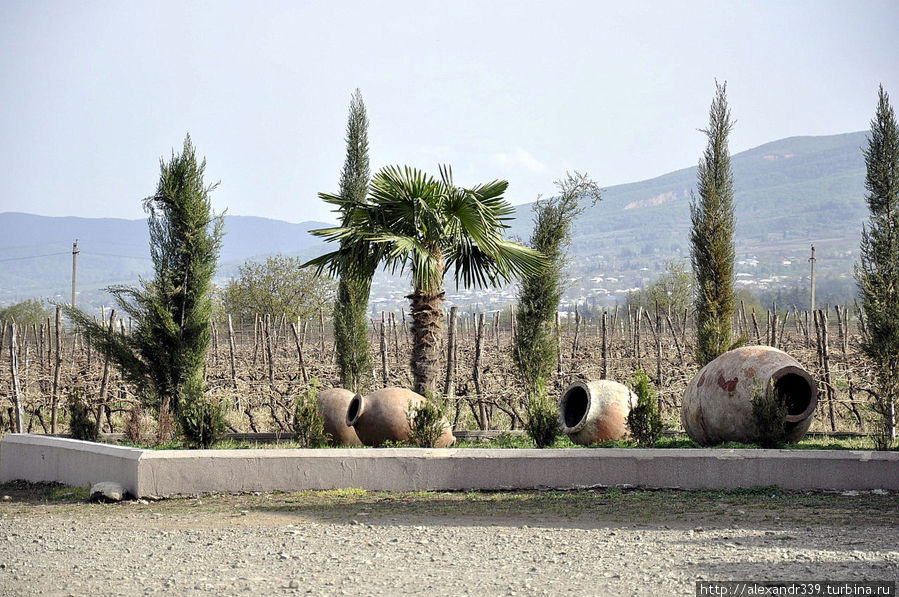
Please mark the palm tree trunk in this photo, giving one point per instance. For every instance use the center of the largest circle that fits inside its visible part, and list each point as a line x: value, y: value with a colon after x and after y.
x: 427, y: 331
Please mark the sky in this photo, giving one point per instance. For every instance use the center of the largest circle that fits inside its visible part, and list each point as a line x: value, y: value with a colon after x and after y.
x: 94, y: 94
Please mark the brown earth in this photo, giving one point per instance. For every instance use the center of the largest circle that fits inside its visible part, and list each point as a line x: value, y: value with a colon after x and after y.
x: 604, y: 542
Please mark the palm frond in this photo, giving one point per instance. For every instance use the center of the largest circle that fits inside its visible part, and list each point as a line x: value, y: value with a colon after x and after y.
x: 400, y: 250
x: 329, y: 262
x: 411, y: 219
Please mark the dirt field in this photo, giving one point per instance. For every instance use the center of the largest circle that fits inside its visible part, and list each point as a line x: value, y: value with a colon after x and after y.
x: 351, y: 542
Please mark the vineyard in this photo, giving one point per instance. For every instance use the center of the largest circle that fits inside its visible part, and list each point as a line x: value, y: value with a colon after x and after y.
x: 259, y: 368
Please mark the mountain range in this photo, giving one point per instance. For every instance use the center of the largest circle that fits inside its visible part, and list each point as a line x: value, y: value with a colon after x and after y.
x: 789, y: 194
x: 36, y: 251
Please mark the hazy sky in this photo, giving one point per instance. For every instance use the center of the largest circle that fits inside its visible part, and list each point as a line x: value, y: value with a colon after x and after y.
x: 93, y: 94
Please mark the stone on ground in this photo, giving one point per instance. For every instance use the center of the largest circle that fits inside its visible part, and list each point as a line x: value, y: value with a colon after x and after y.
x: 107, y: 491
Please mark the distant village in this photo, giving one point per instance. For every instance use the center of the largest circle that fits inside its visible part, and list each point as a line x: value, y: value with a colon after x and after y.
x: 602, y: 289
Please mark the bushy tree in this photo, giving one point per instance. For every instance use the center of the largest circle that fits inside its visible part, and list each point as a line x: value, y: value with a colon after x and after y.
x: 25, y: 313
x: 277, y: 286
x: 534, y: 349
x: 752, y: 302
x: 712, y: 237
x: 877, y: 273
x: 164, y: 357
x: 672, y: 290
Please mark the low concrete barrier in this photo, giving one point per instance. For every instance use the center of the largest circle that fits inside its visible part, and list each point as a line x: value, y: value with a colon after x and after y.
x: 73, y: 462
x: 174, y: 472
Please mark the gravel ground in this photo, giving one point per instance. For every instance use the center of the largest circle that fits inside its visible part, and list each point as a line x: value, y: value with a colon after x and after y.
x: 358, y: 543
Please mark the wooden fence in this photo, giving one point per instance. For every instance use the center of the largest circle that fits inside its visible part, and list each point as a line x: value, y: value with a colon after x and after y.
x: 260, y: 367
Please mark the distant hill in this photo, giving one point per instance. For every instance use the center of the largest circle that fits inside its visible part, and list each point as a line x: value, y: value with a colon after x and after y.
x: 36, y: 251
x: 789, y: 194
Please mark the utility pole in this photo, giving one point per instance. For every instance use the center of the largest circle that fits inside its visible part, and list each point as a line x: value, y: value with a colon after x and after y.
x: 812, y: 261
x: 75, y: 252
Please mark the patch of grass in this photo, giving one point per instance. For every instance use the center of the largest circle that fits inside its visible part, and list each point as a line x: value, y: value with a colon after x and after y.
x: 345, y: 494
x: 736, y: 446
x: 676, y: 442
x: 509, y: 441
x: 223, y: 444
x: 834, y: 443
x: 753, y: 507
x: 612, y: 504
x: 44, y: 492
x: 66, y: 493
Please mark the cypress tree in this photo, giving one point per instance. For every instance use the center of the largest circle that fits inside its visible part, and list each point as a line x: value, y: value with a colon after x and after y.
x: 164, y: 357
x: 712, y: 237
x: 539, y: 294
x: 356, y: 270
x: 877, y: 273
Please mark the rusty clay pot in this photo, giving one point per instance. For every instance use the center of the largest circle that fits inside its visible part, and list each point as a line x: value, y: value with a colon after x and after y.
x: 596, y: 411
x: 717, y: 405
x: 383, y: 415
x: 333, y: 404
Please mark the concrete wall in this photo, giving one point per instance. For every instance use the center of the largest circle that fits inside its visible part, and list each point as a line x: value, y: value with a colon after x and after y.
x: 45, y: 458
x: 172, y: 472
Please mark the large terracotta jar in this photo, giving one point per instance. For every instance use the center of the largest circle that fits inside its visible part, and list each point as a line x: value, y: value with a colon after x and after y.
x: 717, y: 405
x: 596, y: 411
x: 333, y: 404
x: 383, y: 415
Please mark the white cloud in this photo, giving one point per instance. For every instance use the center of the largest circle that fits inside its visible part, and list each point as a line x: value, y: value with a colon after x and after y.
x: 522, y: 158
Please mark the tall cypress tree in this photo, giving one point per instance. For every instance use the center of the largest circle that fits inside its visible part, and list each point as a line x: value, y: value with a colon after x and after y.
x: 534, y: 350
x: 165, y: 356
x: 356, y: 270
x: 712, y: 237
x: 877, y: 274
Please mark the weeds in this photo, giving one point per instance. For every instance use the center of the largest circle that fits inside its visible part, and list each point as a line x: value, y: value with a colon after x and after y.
x: 308, y: 422
x: 427, y: 422
x: 644, y: 420
x: 543, y: 424
x: 202, y: 420
x: 769, y: 414
x: 81, y: 424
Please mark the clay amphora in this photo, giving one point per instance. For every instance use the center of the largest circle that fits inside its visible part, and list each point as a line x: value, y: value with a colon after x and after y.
x: 333, y: 404
x: 717, y: 405
x: 596, y: 411
x: 382, y: 416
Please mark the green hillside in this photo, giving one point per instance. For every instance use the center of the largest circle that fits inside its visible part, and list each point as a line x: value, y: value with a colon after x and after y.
x: 790, y: 194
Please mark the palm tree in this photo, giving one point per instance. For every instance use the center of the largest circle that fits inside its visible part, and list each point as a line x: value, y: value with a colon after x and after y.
x: 432, y: 226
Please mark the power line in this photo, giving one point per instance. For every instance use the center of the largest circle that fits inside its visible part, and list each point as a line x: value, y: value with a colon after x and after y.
x: 33, y: 256
x: 32, y: 246
x: 112, y: 255
x: 69, y: 252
